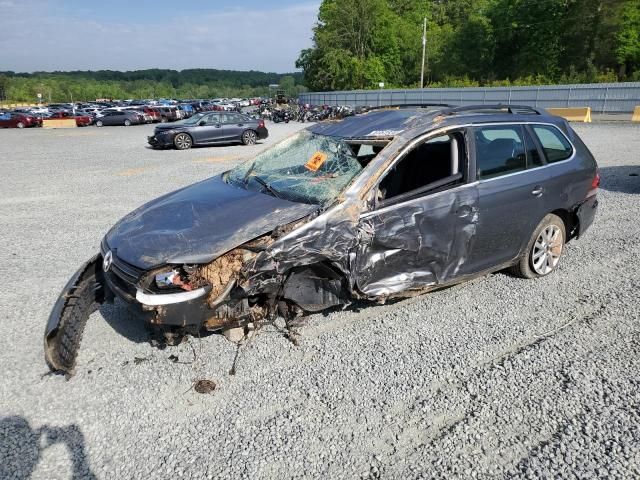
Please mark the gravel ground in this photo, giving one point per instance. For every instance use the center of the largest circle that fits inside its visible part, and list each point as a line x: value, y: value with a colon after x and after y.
x: 496, y: 378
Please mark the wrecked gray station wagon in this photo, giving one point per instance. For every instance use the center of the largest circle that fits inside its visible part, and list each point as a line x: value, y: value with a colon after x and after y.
x: 389, y: 203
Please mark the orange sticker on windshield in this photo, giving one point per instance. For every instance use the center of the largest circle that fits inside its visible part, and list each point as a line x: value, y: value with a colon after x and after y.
x: 316, y: 161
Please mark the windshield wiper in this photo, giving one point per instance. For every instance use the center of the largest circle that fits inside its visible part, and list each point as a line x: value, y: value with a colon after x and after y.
x: 249, y: 172
x: 273, y: 191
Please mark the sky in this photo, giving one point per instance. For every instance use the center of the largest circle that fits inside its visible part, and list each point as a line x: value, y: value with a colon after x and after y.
x: 48, y: 35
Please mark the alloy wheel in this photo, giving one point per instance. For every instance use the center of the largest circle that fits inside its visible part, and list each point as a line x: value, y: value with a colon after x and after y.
x: 547, y: 250
x: 249, y: 137
x: 182, y: 141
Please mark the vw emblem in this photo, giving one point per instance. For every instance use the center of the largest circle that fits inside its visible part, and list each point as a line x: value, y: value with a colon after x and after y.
x: 107, y: 261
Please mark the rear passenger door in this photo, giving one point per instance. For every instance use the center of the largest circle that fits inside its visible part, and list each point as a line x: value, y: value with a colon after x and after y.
x: 232, y: 127
x: 512, y: 193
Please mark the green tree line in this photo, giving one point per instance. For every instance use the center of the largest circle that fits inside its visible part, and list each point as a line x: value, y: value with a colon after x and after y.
x: 154, y: 83
x: 359, y: 43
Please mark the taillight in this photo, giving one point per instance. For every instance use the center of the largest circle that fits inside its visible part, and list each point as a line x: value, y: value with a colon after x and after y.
x: 595, y: 183
x: 261, y: 124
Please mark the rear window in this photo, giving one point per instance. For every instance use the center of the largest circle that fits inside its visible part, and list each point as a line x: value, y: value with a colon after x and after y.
x: 555, y: 145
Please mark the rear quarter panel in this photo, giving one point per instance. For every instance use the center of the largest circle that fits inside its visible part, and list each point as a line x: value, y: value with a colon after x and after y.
x: 570, y: 181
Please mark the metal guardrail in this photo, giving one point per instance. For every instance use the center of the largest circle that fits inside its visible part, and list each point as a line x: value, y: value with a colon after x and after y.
x: 601, y: 97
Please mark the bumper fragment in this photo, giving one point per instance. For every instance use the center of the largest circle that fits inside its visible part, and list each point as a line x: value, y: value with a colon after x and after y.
x: 170, y: 298
x: 160, y: 141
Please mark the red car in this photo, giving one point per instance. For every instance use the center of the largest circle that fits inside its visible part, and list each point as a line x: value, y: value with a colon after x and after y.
x: 18, y: 120
x: 151, y: 115
x: 81, y: 120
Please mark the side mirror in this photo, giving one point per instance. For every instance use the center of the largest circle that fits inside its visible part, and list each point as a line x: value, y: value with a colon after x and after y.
x: 202, y: 122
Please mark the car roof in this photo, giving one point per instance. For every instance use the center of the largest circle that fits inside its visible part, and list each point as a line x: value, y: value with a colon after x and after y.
x: 393, y: 121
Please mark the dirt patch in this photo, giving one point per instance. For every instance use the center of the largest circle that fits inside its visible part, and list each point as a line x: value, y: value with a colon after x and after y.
x: 204, y: 386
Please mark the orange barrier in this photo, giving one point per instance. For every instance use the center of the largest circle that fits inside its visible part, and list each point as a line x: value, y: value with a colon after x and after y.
x: 59, y: 123
x: 636, y: 115
x: 577, y: 114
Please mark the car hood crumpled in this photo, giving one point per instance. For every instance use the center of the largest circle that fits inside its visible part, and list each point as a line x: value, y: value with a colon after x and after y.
x: 198, y: 223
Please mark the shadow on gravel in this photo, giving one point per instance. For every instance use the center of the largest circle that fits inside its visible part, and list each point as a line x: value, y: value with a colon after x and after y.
x: 21, y: 448
x: 125, y: 322
x: 620, y: 179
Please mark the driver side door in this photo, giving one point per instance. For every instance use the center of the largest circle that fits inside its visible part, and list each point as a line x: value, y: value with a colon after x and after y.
x: 423, y: 219
x: 208, y: 129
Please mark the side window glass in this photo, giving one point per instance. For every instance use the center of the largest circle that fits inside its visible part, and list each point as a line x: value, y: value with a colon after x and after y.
x: 500, y: 151
x: 426, y: 167
x: 555, y: 146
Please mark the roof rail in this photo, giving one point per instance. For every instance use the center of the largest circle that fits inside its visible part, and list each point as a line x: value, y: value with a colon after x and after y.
x: 498, y: 108
x: 406, y: 105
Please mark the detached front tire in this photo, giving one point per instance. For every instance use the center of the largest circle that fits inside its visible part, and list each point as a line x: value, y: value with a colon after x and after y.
x: 182, y: 141
x: 544, y: 250
x: 82, y: 296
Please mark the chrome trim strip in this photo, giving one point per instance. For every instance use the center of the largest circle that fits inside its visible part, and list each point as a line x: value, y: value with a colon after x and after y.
x: 155, y: 300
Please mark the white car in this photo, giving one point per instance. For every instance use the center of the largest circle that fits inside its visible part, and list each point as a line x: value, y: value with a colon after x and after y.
x: 39, y: 110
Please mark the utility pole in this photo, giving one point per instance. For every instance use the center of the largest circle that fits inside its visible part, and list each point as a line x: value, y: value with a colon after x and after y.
x: 424, y: 51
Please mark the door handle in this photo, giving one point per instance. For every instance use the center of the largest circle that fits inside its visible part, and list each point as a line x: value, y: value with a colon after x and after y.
x: 537, y: 191
x: 241, y: 124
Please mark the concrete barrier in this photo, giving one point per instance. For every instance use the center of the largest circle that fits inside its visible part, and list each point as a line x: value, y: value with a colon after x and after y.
x: 575, y: 114
x: 59, y: 123
x: 636, y: 115
x: 18, y: 105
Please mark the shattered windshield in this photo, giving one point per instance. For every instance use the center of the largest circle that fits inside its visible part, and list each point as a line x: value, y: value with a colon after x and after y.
x: 306, y: 168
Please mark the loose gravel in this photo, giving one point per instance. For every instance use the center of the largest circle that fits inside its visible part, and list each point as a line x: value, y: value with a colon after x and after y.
x: 496, y: 378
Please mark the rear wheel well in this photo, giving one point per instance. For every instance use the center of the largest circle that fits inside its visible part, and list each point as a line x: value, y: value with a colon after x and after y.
x: 570, y: 220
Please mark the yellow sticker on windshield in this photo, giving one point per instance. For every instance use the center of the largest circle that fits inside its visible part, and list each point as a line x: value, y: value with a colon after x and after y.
x: 316, y: 161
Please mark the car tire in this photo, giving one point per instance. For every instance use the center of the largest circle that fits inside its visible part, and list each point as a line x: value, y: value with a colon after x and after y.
x: 544, y: 250
x: 127, y: 123
x: 182, y: 141
x: 249, y: 137
x: 64, y: 350
x: 20, y: 125
x: 99, y: 123
x: 164, y: 120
